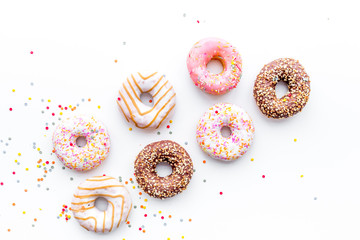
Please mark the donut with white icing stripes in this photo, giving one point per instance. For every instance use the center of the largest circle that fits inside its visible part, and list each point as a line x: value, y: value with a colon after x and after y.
x: 144, y: 116
x: 91, y: 218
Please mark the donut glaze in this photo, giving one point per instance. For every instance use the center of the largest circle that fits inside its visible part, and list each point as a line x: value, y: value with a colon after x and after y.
x: 144, y: 116
x: 291, y: 72
x: 209, y: 137
x: 214, y: 48
x: 91, y: 218
x: 163, y: 151
x: 81, y: 158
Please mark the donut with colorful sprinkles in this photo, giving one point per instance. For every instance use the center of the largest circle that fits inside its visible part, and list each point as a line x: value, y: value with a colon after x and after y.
x: 291, y: 72
x: 81, y: 158
x: 163, y: 151
x: 214, y: 49
x: 210, y: 139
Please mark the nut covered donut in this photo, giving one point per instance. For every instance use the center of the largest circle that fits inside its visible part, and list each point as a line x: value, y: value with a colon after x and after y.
x: 81, y: 158
x: 209, y: 137
x: 90, y: 217
x: 163, y: 151
x: 214, y: 48
x: 144, y: 116
x: 291, y: 72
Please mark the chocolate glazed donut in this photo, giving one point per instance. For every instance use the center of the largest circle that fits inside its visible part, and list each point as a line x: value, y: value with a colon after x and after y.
x: 163, y: 151
x: 291, y: 72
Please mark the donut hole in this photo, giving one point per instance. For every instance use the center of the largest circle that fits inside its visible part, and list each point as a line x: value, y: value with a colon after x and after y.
x: 147, y: 99
x: 225, y: 131
x: 101, y: 204
x: 215, y: 65
x: 81, y: 141
x: 281, y: 89
x: 163, y: 169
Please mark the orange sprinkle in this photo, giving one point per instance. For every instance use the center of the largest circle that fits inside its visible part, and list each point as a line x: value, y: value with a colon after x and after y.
x: 143, y: 231
x: 9, y: 230
x: 115, y: 61
x: 126, y: 182
x: 89, y: 99
x: 25, y: 190
x: 140, y: 193
x: 128, y: 222
x: 35, y: 219
x: 190, y: 220
x: 13, y: 204
x: 130, y: 179
x: 169, y: 216
x: 204, y: 161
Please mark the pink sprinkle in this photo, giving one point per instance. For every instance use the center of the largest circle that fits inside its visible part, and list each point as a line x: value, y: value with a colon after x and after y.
x: 47, y: 128
x: 119, y: 99
x: 263, y: 176
x: 162, y: 217
x: 2, y: 184
x: 198, y: 21
x: 10, y: 109
x: 31, y: 52
x: 221, y: 193
x: 53, y: 114
x: 145, y: 215
x: 47, y: 108
x: 13, y: 173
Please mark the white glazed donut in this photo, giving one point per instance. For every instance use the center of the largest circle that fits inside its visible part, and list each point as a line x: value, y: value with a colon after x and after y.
x: 91, y: 218
x: 209, y: 137
x: 144, y: 116
x: 81, y: 158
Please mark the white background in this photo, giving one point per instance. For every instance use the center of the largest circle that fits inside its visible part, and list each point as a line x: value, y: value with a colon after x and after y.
x: 75, y: 45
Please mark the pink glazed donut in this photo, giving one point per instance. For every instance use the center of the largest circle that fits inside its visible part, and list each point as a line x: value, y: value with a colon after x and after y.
x: 214, y: 49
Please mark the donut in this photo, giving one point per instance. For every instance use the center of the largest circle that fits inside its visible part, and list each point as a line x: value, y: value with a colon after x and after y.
x: 214, y: 48
x: 144, y: 116
x: 291, y: 72
x: 89, y: 216
x: 209, y: 137
x: 163, y: 151
x: 81, y: 158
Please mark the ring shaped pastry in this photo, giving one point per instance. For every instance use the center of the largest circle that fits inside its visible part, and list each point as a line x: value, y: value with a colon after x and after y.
x: 144, y: 116
x: 163, y: 151
x: 291, y: 72
x: 214, y: 48
x: 89, y: 216
x: 81, y: 158
x: 210, y: 139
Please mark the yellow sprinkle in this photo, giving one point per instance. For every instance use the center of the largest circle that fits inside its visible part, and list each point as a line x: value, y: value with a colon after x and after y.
x: 24, y: 212
x: 130, y: 129
x: 295, y: 139
x: 99, y: 107
x: 38, y: 149
x: 70, y: 106
x: 133, y: 187
x: 145, y: 200
x: 301, y: 176
x: 144, y: 207
x: 16, y: 160
x: 182, y: 237
x: 49, y: 100
x: 19, y: 154
x: 60, y: 113
x: 43, y: 164
x: 27, y: 169
x: 168, y: 239
x: 252, y: 159
x: 40, y: 209
x: 29, y: 98
x: 159, y: 212
x: 13, y: 90
x: 60, y: 215
x: 170, y: 121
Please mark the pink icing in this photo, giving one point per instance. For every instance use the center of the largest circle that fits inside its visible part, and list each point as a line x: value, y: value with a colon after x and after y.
x: 214, y: 48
